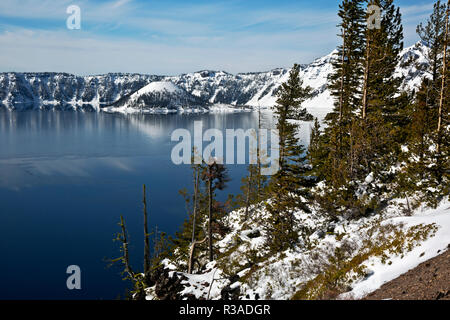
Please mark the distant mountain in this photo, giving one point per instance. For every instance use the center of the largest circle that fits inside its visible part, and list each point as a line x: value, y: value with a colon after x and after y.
x: 196, y: 91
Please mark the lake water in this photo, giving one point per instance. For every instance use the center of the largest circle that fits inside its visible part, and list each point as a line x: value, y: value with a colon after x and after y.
x: 65, y: 179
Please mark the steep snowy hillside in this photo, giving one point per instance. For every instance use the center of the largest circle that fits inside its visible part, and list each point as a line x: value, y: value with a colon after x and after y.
x: 314, y: 75
x: 222, y: 87
x: 23, y: 91
x: 158, y: 95
x: 412, y: 66
x: 413, y: 72
x: 371, y: 251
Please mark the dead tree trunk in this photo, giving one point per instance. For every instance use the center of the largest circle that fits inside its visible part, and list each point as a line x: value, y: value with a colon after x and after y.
x: 444, y: 75
x: 366, y: 79
x: 194, y: 213
x: 258, y: 155
x: 247, y: 200
x: 192, y: 253
x: 210, y: 240
x: 146, y: 238
x: 125, y: 257
x: 341, y: 88
x: 341, y: 93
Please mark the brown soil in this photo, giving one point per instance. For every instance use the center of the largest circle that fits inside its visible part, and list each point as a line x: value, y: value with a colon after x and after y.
x: 428, y: 281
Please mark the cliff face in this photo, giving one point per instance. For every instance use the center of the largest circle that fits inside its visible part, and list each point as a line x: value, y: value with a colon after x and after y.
x: 62, y: 91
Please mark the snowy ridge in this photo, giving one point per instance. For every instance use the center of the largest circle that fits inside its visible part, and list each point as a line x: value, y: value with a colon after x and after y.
x: 414, y: 73
x: 192, y: 92
x: 158, y: 86
x: 163, y: 96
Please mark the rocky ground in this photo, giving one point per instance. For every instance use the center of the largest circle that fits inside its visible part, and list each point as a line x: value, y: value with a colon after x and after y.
x: 428, y: 281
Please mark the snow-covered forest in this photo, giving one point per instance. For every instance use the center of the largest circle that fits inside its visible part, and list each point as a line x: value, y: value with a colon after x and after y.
x: 365, y: 202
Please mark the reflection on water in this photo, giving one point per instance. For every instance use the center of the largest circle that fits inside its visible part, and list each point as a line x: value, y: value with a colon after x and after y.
x: 66, y: 177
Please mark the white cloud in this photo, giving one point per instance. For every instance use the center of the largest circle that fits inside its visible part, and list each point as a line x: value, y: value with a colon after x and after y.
x: 120, y: 3
x: 25, y: 50
x: 183, y: 39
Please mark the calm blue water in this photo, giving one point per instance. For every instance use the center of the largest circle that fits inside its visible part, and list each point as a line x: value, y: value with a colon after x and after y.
x: 65, y: 179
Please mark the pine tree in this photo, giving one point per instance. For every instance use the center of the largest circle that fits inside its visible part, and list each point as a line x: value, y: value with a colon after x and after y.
x: 345, y: 88
x: 335, y: 164
x: 347, y: 67
x: 382, y: 108
x: 363, y: 130
x: 287, y: 186
x: 382, y: 50
x: 316, y: 152
x: 432, y: 36
x: 428, y: 141
x: 419, y: 130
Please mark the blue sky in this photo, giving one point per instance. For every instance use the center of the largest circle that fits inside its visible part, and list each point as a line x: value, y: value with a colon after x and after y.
x: 174, y: 36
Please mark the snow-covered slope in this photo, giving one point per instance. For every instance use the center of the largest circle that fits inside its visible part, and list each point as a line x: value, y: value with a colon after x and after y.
x: 430, y: 248
x: 222, y: 87
x: 22, y: 91
x: 369, y: 252
x: 158, y: 95
x: 314, y: 75
x: 413, y: 72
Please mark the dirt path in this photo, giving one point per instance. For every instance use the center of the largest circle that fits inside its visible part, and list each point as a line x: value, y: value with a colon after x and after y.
x: 430, y: 280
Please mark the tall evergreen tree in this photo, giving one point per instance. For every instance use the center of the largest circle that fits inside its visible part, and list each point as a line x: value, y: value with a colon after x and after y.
x: 287, y: 186
x: 382, y: 108
x: 335, y: 163
x: 427, y: 157
x: 362, y: 129
x: 419, y: 130
x: 382, y: 50
x: 345, y: 88
x: 432, y: 35
x: 316, y: 152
